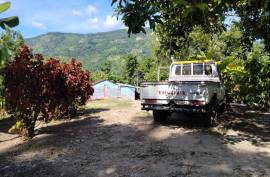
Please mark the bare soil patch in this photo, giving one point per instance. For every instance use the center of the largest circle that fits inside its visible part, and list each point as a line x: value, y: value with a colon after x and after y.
x: 115, y: 138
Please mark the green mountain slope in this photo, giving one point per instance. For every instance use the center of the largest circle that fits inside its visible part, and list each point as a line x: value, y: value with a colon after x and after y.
x: 91, y: 49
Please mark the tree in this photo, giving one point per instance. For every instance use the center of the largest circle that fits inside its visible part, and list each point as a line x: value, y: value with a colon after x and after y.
x: 131, y: 68
x: 98, y: 75
x: 144, y: 66
x: 106, y: 67
x: 46, y: 89
x: 177, y: 18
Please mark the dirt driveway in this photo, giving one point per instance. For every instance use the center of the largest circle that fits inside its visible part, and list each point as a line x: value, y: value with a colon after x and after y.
x: 115, y: 138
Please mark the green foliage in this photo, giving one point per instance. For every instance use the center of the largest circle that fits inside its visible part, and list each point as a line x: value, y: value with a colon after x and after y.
x: 177, y: 18
x: 248, y: 80
x: 145, y: 67
x: 10, y: 41
x: 148, y: 68
x: 131, y: 69
x: 98, y: 75
x: 9, y: 21
x: 6, y: 38
x: 106, y: 67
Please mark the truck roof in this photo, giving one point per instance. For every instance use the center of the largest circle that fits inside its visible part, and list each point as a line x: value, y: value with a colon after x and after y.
x: 192, y: 61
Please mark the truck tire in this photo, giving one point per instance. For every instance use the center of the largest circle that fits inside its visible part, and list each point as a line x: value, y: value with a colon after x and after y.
x: 160, y: 116
x: 212, y: 114
x: 222, y: 109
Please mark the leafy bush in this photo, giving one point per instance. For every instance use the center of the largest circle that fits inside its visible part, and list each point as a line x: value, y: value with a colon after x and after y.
x: 248, y: 80
x: 46, y: 89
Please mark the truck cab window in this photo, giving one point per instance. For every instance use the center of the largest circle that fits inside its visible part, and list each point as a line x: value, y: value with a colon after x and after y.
x: 207, y: 69
x: 197, y: 69
x: 186, y: 69
x: 178, y: 70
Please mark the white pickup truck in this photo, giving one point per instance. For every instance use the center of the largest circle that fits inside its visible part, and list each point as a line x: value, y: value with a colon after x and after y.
x: 193, y: 86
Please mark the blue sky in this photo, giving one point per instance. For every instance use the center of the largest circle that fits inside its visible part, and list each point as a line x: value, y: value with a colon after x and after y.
x: 74, y: 16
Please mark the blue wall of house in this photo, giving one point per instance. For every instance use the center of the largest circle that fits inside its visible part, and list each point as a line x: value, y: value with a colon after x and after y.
x: 107, y: 89
x: 127, y: 91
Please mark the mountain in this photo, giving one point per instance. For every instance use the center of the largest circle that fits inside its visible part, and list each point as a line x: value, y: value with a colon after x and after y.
x: 91, y: 49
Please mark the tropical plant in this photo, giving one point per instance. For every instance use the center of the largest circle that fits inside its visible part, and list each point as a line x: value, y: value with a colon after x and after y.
x: 35, y: 88
x: 6, y: 23
x: 10, y: 41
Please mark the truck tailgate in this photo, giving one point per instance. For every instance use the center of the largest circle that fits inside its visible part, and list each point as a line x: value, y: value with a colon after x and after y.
x: 168, y: 91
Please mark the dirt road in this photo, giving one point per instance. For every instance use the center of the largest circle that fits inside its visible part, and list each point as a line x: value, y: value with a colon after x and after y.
x: 115, y: 138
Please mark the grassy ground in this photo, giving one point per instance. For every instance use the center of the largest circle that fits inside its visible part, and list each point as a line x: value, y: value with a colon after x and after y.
x: 109, y: 104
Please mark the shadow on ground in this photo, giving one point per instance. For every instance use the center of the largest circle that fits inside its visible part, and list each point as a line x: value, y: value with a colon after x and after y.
x: 252, y: 127
x: 6, y: 124
x: 85, y: 111
x: 187, y: 120
x: 88, y: 147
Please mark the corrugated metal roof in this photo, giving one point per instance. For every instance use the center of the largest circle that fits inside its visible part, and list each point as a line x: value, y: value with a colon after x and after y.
x: 125, y: 85
x: 97, y: 82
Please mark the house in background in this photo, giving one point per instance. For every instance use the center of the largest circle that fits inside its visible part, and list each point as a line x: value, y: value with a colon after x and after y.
x: 126, y: 90
x: 108, y: 89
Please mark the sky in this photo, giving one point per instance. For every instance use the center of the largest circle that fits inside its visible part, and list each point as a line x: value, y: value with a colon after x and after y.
x: 71, y: 16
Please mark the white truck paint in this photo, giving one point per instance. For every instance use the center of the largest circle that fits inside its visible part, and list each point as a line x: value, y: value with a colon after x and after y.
x: 193, y: 86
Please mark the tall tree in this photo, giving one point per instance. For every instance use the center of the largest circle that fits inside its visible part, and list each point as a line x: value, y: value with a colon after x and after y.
x: 131, y: 68
x: 106, y: 67
x: 177, y: 18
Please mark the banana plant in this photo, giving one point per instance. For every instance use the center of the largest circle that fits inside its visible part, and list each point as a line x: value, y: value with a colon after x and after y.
x: 6, y: 24
x: 9, y: 21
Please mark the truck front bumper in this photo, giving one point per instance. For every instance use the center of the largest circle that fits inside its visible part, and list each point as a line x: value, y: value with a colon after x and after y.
x: 176, y: 108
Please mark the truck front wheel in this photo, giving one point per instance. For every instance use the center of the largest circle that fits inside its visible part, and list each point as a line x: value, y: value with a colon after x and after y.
x: 160, y: 116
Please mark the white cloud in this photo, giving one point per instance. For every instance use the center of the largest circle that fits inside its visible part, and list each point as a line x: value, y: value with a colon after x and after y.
x: 76, y: 13
x: 90, y: 10
x: 111, y: 21
x: 92, y: 23
x: 39, y: 25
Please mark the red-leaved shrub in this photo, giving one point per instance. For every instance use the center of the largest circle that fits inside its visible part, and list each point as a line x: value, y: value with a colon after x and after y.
x: 46, y: 89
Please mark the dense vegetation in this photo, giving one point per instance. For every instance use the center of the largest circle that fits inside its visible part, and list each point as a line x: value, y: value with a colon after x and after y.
x: 7, y: 46
x: 92, y: 50
x: 197, y: 29
x: 35, y: 88
x: 177, y: 18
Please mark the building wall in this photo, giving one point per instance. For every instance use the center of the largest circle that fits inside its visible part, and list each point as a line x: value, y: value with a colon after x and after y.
x: 107, y: 89
x: 127, y: 91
